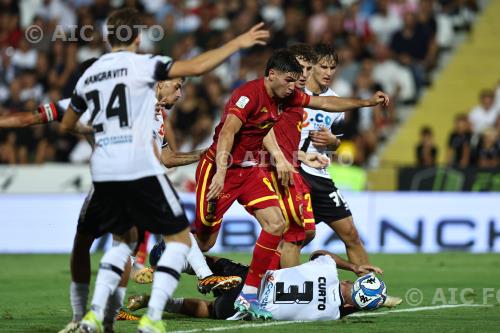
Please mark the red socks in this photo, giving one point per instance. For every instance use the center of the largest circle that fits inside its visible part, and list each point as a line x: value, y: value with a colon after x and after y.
x: 142, y: 252
x: 263, y: 253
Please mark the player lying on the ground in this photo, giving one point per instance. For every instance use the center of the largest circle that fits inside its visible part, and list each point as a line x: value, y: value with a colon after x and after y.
x: 310, y: 291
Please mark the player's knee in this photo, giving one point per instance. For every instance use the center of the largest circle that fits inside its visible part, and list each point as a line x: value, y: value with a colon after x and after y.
x: 274, y: 225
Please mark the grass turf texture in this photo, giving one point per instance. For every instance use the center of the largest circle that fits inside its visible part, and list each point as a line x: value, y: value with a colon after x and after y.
x: 34, y: 296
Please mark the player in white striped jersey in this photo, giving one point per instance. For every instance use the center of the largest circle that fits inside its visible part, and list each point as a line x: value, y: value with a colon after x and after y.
x: 130, y: 188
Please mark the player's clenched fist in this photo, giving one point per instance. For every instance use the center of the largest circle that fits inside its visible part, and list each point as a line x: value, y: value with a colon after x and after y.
x: 380, y: 98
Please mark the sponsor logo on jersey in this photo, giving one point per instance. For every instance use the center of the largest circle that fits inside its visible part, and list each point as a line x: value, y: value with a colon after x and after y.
x: 242, y: 102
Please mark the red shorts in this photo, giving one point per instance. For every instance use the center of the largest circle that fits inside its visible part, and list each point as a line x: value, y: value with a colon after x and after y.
x: 295, y: 205
x: 248, y: 185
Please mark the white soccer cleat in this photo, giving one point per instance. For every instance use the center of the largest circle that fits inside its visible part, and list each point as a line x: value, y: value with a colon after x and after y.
x: 71, y: 327
x: 240, y: 316
x: 392, y: 301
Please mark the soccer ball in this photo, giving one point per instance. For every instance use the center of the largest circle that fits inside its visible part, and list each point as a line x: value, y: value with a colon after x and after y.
x: 369, y: 292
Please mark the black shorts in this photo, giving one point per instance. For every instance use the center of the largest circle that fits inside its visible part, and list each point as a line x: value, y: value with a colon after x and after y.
x: 327, y: 203
x: 149, y: 203
x: 223, y: 307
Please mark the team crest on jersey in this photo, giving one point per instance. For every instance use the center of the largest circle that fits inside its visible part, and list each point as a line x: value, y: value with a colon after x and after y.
x: 242, y: 102
x: 264, y: 109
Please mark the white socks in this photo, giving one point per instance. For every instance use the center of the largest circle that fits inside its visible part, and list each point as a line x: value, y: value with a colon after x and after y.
x: 108, y: 277
x: 197, y: 261
x: 115, y: 303
x: 78, y: 294
x: 166, y: 277
x: 249, y: 290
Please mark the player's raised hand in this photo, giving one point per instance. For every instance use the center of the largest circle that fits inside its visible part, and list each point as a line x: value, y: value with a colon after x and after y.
x: 256, y: 35
x: 365, y: 269
x: 316, y: 160
x: 216, y: 185
x: 380, y: 98
x: 285, y: 172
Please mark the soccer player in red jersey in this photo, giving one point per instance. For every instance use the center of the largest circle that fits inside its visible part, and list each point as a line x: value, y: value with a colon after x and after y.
x: 295, y: 200
x: 228, y: 171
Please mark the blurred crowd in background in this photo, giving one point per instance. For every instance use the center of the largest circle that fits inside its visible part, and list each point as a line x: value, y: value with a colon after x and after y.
x: 390, y: 45
x: 475, y: 139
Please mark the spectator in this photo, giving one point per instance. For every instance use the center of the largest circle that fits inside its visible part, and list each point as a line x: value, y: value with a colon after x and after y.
x: 485, y: 114
x: 489, y: 150
x: 415, y: 47
x: 396, y: 80
x: 385, y: 23
x: 459, y: 143
x: 426, y: 151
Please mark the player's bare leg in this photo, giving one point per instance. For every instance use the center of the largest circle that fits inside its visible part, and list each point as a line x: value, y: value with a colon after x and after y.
x: 272, y: 223
x: 348, y: 233
x: 206, y: 240
x: 290, y: 254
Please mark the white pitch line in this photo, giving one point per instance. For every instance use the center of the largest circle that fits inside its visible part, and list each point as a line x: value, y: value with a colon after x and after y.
x: 359, y: 314
x: 417, y: 309
x: 227, y: 328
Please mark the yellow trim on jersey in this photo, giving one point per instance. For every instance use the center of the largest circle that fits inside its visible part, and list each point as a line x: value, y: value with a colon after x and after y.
x: 309, y: 221
x: 202, y: 197
x: 267, y: 248
x: 256, y: 201
x: 292, y: 209
x: 280, y: 199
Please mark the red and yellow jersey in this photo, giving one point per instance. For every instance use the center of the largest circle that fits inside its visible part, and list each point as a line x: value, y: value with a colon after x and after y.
x: 287, y: 131
x: 258, y: 112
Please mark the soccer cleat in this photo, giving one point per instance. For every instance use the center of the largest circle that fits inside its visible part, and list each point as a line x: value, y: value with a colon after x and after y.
x: 71, y: 327
x: 215, y: 282
x: 144, y: 276
x: 147, y: 325
x: 392, y: 301
x: 90, y: 324
x: 124, y: 315
x: 136, y: 302
x: 240, y: 316
x: 248, y: 303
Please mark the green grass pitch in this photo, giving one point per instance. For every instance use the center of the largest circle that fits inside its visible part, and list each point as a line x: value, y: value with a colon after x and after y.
x: 34, y: 296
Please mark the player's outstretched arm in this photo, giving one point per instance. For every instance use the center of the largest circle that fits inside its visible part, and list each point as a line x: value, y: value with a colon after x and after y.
x: 232, y: 125
x: 341, y: 104
x: 172, y: 158
x: 207, y: 61
x: 284, y: 169
x: 69, y: 121
x: 348, y: 266
x: 20, y: 119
